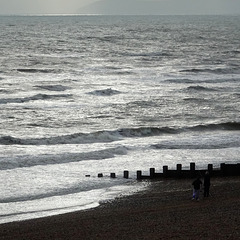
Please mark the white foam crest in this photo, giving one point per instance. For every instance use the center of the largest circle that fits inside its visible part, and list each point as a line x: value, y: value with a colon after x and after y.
x: 49, y: 159
x: 76, y: 138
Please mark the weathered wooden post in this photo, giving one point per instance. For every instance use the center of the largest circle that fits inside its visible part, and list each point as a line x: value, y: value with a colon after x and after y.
x: 210, y: 168
x: 152, y: 173
x: 139, y: 175
x: 223, y: 169
x: 238, y: 169
x: 165, y: 171
x: 179, y: 170
x: 126, y: 174
x: 113, y: 175
x: 100, y: 175
x: 192, y: 169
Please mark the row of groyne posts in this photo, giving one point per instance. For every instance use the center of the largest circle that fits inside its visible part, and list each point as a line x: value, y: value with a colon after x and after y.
x: 224, y: 171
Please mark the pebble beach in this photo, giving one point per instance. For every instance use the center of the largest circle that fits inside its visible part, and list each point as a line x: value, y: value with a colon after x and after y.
x: 164, y: 211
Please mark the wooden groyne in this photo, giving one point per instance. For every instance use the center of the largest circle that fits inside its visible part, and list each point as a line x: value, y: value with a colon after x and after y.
x: 224, y: 171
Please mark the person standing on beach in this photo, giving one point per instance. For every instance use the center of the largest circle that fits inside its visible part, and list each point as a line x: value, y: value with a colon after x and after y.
x: 206, y: 184
x: 196, y: 188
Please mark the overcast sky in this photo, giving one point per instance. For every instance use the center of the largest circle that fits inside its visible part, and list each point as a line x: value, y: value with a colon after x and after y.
x: 120, y: 6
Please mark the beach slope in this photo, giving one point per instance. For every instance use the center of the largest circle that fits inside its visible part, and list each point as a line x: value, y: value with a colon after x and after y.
x: 164, y: 211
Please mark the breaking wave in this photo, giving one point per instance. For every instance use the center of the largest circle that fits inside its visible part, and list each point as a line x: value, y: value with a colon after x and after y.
x: 76, y: 138
x: 116, y: 135
x: 24, y: 161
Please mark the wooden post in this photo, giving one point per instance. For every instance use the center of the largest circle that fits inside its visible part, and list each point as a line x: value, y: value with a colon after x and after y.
x: 139, y: 175
x: 192, y: 166
x: 152, y: 172
x: 210, y: 168
x: 223, y: 169
x: 126, y: 174
x: 238, y: 169
x: 179, y: 170
x: 165, y: 171
x: 100, y: 175
x: 192, y: 169
x: 113, y: 175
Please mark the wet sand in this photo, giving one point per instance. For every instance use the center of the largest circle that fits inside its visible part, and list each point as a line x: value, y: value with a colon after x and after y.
x: 164, y: 211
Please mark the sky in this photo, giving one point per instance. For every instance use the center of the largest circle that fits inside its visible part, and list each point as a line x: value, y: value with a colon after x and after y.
x: 42, y: 6
x: 120, y: 6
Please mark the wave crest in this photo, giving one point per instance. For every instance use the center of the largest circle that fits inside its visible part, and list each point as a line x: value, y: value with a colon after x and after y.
x: 104, y: 92
x: 34, y: 70
x: 213, y: 71
x: 116, y: 135
x: 56, y: 88
x: 23, y: 161
x: 196, y: 146
x: 33, y: 98
x: 200, y: 88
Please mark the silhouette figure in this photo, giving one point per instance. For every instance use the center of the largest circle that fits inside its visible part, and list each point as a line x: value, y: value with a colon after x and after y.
x: 206, y: 184
x: 196, y: 188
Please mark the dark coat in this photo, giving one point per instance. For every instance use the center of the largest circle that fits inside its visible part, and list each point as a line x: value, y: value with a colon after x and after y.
x: 197, y: 184
x: 206, y: 180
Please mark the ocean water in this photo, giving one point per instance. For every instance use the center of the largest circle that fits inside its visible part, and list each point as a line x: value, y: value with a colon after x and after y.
x: 82, y: 95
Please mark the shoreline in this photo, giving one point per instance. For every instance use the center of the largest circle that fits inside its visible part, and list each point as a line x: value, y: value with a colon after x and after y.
x: 163, y: 211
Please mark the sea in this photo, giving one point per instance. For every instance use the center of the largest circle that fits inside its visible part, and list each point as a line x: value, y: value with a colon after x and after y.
x: 82, y: 95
